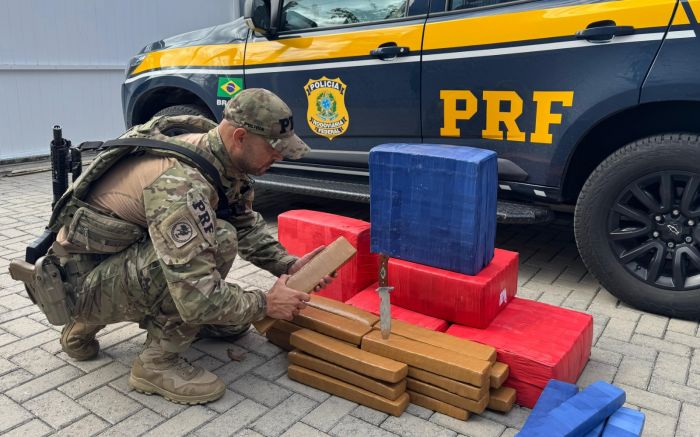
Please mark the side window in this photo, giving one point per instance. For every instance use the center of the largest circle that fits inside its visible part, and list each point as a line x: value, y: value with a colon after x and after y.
x: 308, y: 14
x: 454, y: 5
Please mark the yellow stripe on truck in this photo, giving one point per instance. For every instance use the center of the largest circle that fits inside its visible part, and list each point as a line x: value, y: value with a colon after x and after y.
x: 680, y: 18
x: 220, y: 55
x: 333, y: 47
x: 695, y: 6
x: 311, y: 48
x: 544, y: 23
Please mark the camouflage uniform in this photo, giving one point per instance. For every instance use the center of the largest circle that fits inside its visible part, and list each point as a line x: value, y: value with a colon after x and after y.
x: 173, y: 281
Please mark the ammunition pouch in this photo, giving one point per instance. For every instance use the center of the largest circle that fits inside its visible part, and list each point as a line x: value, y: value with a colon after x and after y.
x: 45, y: 286
x: 91, y: 231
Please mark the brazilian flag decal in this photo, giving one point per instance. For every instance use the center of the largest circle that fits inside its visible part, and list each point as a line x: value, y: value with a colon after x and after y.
x: 229, y: 86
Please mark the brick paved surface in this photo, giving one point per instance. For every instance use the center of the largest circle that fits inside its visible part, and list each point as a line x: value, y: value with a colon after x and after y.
x: 42, y: 391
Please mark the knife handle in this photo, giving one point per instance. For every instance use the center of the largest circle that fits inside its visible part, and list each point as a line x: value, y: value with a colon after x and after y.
x: 383, y: 270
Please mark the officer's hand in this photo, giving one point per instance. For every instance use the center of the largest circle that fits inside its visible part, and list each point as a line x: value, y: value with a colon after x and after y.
x: 301, y: 262
x: 284, y: 302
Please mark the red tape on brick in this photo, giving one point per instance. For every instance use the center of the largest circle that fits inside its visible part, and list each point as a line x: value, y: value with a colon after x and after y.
x: 301, y: 231
x: 526, y: 395
x: 539, y: 342
x: 456, y: 297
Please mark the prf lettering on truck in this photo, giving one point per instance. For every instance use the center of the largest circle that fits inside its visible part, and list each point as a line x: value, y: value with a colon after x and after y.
x: 460, y: 105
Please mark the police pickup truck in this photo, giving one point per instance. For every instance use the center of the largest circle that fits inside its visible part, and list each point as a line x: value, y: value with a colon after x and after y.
x: 590, y: 104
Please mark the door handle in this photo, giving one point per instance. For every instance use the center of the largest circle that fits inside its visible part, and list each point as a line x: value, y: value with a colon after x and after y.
x: 604, y: 33
x: 389, y: 52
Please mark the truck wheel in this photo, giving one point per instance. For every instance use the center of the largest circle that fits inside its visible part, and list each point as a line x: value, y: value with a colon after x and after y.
x: 637, y: 224
x: 183, y: 110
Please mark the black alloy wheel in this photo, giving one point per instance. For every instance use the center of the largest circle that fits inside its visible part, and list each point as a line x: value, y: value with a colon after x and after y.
x: 654, y: 231
x: 637, y: 224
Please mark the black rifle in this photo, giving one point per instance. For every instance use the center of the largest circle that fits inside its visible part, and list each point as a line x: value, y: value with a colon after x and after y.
x: 64, y: 159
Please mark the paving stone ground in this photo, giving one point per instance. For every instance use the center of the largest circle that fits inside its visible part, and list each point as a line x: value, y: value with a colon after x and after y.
x: 42, y: 391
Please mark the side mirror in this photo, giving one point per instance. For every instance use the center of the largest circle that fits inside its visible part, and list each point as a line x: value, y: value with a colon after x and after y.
x: 263, y: 16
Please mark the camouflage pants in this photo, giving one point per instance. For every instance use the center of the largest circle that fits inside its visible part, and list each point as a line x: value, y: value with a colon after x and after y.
x: 130, y: 286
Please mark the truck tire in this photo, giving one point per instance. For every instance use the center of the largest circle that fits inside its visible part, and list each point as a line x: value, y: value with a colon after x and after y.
x: 183, y: 110
x: 637, y: 224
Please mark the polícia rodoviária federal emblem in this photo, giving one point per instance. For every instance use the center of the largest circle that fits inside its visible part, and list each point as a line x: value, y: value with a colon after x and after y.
x: 326, y: 112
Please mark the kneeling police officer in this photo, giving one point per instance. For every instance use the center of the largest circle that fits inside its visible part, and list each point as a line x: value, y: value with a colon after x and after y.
x: 138, y: 239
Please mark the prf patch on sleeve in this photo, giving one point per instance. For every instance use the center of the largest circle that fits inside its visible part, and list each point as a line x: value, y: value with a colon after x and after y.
x: 177, y: 238
x: 201, y: 210
x: 182, y: 232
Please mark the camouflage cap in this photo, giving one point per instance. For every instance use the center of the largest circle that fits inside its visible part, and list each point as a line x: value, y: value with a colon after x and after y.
x: 261, y: 112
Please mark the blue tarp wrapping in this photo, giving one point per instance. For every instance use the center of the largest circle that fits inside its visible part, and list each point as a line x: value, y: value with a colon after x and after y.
x: 581, y: 413
x: 597, y: 431
x: 554, y: 394
x: 434, y: 204
x: 625, y: 422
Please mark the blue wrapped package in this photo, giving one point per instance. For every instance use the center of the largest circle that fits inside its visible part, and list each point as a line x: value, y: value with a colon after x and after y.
x: 554, y: 394
x: 597, y: 431
x: 434, y: 204
x: 625, y: 422
x: 581, y: 413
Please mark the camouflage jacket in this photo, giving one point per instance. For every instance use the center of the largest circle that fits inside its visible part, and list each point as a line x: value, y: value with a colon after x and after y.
x: 182, y: 225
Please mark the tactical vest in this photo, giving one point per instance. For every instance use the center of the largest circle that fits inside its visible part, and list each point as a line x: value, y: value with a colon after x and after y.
x: 101, y: 232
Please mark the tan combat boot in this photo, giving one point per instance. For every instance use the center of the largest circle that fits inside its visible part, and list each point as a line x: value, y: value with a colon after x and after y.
x: 171, y: 376
x: 78, y: 340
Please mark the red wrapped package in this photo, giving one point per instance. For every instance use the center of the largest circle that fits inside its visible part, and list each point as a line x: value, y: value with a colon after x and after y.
x: 368, y: 300
x: 526, y: 395
x: 456, y: 297
x: 301, y: 231
x: 537, y: 341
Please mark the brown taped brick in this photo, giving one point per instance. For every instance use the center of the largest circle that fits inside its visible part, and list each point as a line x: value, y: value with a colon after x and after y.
x: 502, y: 399
x: 285, y: 326
x: 345, y: 355
x: 456, y: 387
x: 477, y: 406
x: 347, y: 391
x: 332, y: 325
x: 428, y: 357
x: 442, y: 340
x: 330, y: 259
x: 279, y: 338
x: 441, y: 407
x: 289, y: 327
x: 383, y: 389
x: 499, y: 374
x: 342, y: 309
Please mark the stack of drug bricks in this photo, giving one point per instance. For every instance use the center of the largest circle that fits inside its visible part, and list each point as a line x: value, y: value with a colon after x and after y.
x: 539, y: 342
x: 338, y: 348
x: 433, y: 210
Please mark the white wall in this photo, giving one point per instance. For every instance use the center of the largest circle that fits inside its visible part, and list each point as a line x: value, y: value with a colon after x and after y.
x: 62, y: 62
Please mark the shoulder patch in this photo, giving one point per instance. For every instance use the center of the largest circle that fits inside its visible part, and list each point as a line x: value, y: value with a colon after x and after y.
x: 182, y: 232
